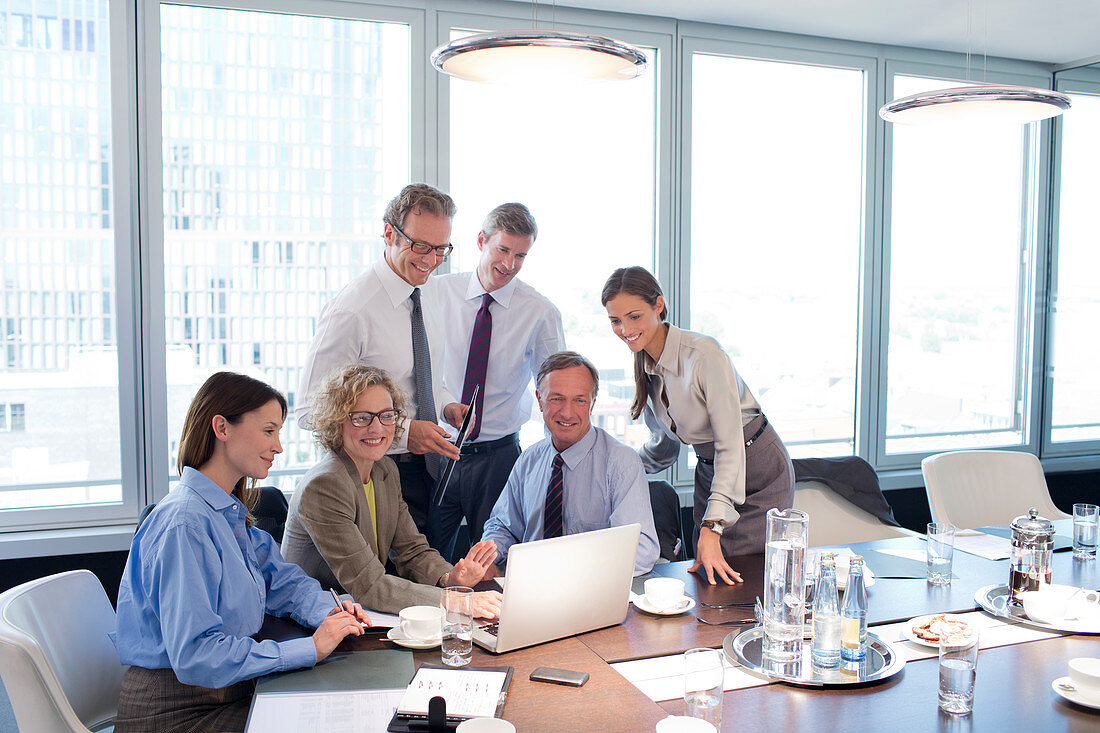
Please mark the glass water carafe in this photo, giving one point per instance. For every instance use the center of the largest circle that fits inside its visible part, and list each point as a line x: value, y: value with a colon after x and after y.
x: 784, y: 584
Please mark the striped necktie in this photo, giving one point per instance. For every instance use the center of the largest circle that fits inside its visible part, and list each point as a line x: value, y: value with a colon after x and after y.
x: 422, y: 373
x: 477, y: 363
x: 552, y: 525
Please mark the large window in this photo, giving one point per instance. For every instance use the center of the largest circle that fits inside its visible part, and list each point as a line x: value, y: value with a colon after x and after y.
x: 961, y: 242
x: 583, y: 159
x: 283, y: 138
x: 776, y: 235
x: 1076, y: 295
x: 59, y: 345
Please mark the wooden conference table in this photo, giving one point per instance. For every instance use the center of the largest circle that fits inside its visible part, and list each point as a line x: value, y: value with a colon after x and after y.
x: 1012, y: 691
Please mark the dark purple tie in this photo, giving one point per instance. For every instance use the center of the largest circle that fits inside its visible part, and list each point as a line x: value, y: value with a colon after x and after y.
x: 478, y: 362
x: 551, y: 524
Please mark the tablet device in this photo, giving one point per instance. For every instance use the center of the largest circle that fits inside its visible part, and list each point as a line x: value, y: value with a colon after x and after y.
x: 460, y: 439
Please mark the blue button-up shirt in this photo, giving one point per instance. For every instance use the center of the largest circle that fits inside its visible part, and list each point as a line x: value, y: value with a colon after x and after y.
x: 197, y: 584
x: 604, y: 486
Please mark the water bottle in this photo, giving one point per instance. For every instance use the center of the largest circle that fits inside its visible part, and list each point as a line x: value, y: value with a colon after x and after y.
x: 825, y: 649
x: 853, y: 615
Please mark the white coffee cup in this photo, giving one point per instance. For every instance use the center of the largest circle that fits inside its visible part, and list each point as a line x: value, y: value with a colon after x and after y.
x: 1085, y: 673
x: 683, y: 724
x: 421, y: 623
x: 485, y: 725
x: 664, y: 593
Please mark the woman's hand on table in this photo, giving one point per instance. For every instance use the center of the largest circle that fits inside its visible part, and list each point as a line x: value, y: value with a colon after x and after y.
x: 470, y: 570
x: 486, y: 604
x: 332, y: 631
x: 708, y: 555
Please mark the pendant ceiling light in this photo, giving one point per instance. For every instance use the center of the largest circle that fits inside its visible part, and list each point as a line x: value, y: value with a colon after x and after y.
x: 976, y: 103
x: 526, y: 55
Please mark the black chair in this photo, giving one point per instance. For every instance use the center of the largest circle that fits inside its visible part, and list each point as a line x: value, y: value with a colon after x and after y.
x: 270, y: 512
x: 667, y: 520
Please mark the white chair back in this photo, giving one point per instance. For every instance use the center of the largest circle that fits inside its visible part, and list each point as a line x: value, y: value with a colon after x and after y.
x: 982, y: 488
x: 60, y: 668
x: 836, y: 521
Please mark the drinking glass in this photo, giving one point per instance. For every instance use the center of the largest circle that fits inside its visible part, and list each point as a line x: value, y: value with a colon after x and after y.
x: 458, y: 626
x: 958, y: 668
x: 940, y: 549
x: 1085, y: 522
x: 704, y: 678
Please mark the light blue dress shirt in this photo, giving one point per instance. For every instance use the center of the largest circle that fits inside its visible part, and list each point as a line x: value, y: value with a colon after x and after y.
x: 604, y: 486
x: 197, y: 584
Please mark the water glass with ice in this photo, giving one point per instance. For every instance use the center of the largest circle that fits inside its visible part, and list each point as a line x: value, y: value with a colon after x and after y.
x: 704, y: 678
x: 958, y: 668
x: 940, y: 549
x: 458, y: 626
x: 1085, y: 522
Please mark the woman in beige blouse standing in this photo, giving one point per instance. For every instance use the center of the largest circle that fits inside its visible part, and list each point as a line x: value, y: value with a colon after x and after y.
x: 347, y: 516
x: 690, y: 392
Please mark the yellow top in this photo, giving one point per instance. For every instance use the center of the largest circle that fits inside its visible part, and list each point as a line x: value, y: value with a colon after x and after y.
x: 368, y: 488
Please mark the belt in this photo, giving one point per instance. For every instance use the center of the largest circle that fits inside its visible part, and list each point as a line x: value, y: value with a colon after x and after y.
x: 406, y: 457
x: 750, y: 441
x: 490, y: 445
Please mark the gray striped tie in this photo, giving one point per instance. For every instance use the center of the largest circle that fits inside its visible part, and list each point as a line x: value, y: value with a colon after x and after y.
x: 422, y: 372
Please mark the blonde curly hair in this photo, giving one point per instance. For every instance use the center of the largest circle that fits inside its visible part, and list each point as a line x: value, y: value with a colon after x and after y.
x: 339, y: 395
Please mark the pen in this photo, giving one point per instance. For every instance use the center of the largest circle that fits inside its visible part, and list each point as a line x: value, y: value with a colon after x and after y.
x: 340, y: 607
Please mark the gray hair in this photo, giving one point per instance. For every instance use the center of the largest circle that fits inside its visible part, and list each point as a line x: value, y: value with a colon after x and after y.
x: 511, y: 218
x: 565, y: 360
x: 418, y: 198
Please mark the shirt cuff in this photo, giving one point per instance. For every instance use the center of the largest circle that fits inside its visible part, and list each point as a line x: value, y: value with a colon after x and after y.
x: 719, y: 511
x: 297, y: 653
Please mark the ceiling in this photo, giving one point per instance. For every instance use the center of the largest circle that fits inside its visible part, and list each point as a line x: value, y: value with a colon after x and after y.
x: 1050, y: 31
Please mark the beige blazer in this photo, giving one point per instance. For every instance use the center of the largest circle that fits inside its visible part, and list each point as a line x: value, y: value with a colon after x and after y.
x: 328, y: 533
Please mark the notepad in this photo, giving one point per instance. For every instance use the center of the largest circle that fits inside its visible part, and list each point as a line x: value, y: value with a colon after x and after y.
x: 470, y: 693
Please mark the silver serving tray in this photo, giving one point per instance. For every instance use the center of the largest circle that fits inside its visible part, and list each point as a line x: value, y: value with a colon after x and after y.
x: 994, y: 599
x: 746, y: 648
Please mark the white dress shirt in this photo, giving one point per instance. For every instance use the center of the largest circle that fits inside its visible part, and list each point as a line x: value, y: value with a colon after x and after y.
x: 368, y: 322
x: 526, y: 329
x: 709, y: 402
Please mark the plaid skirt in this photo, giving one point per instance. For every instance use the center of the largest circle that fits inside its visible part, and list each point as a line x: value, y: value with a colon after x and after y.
x: 155, y: 701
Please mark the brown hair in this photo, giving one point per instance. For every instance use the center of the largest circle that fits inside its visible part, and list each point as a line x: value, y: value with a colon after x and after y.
x: 230, y: 395
x: 565, y: 360
x: 339, y: 395
x: 418, y: 198
x: 636, y: 281
x: 511, y: 218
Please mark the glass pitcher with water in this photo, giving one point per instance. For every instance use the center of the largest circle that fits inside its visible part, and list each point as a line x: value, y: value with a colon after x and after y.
x: 784, y: 606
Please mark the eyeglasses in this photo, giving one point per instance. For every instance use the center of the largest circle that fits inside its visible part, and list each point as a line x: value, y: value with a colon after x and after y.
x: 423, y: 248
x: 364, y: 419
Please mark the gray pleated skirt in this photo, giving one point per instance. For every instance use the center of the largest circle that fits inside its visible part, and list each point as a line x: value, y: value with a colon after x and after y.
x: 155, y: 701
x: 769, y: 482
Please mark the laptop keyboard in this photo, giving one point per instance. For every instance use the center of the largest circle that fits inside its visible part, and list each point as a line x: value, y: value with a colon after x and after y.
x: 491, y: 628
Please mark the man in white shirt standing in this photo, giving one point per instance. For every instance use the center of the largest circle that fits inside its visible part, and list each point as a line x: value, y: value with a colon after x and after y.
x: 388, y: 317
x: 499, y: 330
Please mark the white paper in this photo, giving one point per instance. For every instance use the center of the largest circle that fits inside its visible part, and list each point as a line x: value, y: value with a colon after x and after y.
x: 919, y: 555
x: 662, y: 678
x: 377, y: 618
x: 981, y: 544
x: 993, y: 632
x: 359, y: 711
x: 469, y: 693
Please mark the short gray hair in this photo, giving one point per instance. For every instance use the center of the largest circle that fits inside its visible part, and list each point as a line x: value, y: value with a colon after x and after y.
x: 511, y: 218
x: 565, y: 360
x: 418, y: 198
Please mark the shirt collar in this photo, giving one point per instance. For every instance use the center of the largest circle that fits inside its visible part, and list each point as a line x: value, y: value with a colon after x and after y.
x: 207, y: 490
x: 396, y: 288
x: 670, y: 355
x: 575, y: 453
x: 474, y: 289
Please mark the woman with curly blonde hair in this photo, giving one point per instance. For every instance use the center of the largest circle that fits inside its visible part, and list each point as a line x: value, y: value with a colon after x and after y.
x: 347, y: 516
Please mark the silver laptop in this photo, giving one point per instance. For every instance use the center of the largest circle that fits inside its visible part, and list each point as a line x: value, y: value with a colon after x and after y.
x: 563, y: 586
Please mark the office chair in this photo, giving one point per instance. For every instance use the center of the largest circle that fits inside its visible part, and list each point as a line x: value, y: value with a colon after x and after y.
x: 60, y: 669
x: 270, y: 512
x: 983, y: 488
x: 666, y: 520
x: 836, y: 521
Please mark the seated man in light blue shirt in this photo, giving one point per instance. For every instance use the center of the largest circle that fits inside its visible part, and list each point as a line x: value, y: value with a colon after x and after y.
x: 577, y: 480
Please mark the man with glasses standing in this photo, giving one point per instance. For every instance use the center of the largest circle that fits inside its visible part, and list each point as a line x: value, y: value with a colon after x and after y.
x: 388, y: 317
x: 499, y: 330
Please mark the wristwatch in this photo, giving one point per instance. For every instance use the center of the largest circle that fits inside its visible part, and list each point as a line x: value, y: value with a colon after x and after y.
x: 714, y: 525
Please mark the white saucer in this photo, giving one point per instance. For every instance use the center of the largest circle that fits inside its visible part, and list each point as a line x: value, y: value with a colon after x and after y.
x: 1077, y: 697
x: 396, y: 637
x: 642, y: 603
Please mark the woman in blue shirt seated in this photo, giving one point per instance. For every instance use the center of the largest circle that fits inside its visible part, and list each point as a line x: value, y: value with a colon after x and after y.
x: 200, y: 577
